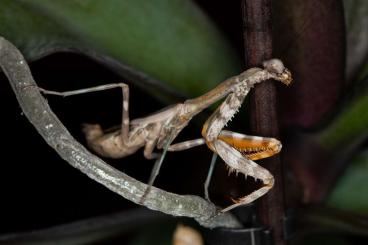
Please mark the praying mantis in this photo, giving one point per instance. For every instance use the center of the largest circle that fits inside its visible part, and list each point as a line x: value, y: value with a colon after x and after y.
x: 160, y: 129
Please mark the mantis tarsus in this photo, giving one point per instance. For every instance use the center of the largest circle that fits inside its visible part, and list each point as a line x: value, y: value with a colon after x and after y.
x: 161, y: 128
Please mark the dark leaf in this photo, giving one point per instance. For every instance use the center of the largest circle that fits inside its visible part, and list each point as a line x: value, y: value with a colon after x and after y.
x: 170, y: 41
x: 309, y: 37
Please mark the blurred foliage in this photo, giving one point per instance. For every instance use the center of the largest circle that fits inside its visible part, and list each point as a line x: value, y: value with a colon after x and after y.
x: 364, y: 72
x: 351, y: 123
x: 356, y: 19
x: 350, y: 192
x: 169, y: 40
x: 325, y: 45
x: 324, y: 239
x: 154, y: 234
x: 309, y: 38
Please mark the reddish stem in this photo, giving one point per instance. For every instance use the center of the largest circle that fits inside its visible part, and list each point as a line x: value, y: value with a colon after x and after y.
x: 257, y: 29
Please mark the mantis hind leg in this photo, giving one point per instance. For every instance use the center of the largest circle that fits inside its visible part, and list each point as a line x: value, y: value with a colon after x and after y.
x: 125, y: 90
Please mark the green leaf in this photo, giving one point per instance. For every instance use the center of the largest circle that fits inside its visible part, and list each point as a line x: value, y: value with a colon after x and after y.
x: 168, y: 40
x: 350, y: 124
x: 364, y: 72
x: 350, y: 191
x: 33, y: 33
x: 356, y: 18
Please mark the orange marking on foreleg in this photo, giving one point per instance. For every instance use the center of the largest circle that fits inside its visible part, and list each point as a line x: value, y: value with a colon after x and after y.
x: 253, y: 147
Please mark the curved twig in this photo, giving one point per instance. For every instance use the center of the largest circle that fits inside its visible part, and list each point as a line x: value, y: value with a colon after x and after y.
x: 38, y: 112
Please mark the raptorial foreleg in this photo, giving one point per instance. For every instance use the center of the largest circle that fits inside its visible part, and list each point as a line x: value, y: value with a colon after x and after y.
x: 237, y: 162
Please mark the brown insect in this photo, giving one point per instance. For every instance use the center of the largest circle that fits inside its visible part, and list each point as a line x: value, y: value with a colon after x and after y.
x: 160, y: 129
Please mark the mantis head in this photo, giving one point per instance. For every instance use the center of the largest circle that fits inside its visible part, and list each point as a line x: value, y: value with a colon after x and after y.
x: 278, y: 71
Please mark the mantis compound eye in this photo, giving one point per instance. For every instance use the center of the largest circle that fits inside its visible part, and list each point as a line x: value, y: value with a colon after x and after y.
x: 276, y: 67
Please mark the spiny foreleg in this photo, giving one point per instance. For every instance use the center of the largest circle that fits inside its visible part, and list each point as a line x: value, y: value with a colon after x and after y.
x: 223, y: 114
x: 238, y: 163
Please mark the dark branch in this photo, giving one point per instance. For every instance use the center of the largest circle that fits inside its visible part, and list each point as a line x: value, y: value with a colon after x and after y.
x: 258, y: 47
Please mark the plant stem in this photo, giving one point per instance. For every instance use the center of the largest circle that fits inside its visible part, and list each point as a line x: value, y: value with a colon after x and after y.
x: 256, y: 15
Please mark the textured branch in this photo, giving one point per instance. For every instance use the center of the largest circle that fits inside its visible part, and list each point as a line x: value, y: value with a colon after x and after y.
x: 258, y: 47
x: 38, y: 112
